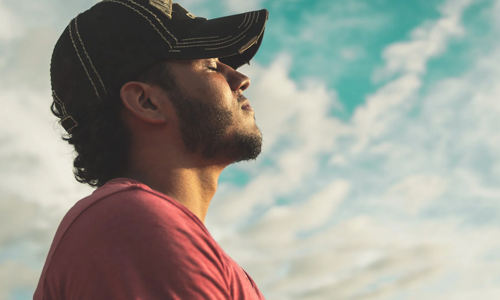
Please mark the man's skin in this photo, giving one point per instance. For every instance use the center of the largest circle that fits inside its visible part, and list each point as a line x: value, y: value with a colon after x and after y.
x: 158, y: 154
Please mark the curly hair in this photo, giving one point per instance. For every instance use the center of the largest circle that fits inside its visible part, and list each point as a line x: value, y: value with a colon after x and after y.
x: 102, y: 139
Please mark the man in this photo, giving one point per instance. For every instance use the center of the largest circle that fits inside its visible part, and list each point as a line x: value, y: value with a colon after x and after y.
x: 152, y: 102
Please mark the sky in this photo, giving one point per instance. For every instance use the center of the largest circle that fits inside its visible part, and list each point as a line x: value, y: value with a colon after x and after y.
x: 379, y: 173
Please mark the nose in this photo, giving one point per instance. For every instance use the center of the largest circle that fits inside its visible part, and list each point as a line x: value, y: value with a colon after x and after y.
x: 238, y: 82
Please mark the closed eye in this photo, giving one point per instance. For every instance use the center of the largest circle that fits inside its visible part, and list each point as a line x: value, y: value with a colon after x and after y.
x: 212, y: 68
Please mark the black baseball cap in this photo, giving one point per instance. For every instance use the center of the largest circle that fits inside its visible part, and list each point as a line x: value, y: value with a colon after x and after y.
x: 104, y: 47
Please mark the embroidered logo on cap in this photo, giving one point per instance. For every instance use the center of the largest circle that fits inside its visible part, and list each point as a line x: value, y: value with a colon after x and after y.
x: 165, y: 6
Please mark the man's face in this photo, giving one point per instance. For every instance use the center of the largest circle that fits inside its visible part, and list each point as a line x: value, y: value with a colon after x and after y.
x: 215, y: 119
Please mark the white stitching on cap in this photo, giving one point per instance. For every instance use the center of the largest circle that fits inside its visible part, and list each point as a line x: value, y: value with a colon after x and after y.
x: 206, y: 41
x: 249, y: 44
x: 246, y: 14
x: 210, y: 45
x: 164, y: 7
x: 248, y: 21
x: 200, y: 38
x: 245, y: 21
x: 54, y: 95
x: 78, y: 53
x: 256, y: 21
x: 124, y: 4
x: 156, y: 17
x: 226, y: 45
x: 85, y: 50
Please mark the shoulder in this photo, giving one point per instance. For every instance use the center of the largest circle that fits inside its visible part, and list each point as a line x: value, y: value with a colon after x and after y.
x: 137, y: 224
x: 136, y: 209
x: 120, y: 197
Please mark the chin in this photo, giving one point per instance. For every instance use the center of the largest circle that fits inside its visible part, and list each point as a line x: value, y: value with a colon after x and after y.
x: 247, y: 146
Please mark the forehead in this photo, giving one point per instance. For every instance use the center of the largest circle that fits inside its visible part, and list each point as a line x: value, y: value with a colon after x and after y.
x: 192, y: 61
x: 191, y: 65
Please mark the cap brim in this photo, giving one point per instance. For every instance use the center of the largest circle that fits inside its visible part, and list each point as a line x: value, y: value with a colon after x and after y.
x: 233, y: 39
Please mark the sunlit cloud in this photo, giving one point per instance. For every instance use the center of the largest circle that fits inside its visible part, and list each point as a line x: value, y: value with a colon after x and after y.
x: 10, y: 25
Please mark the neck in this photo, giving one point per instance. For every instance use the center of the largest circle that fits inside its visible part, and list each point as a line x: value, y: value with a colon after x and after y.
x: 189, y: 184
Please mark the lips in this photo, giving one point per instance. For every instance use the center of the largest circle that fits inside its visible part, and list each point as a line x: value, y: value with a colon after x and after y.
x: 246, y: 106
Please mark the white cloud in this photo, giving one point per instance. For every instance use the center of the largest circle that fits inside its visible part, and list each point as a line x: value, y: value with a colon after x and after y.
x: 412, y: 193
x: 192, y: 3
x: 352, y: 53
x: 373, y: 119
x: 16, y: 276
x: 21, y: 221
x: 319, y: 28
x: 33, y: 148
x: 427, y: 41
x: 241, y: 6
x: 345, y: 261
x: 10, y: 26
x: 280, y: 222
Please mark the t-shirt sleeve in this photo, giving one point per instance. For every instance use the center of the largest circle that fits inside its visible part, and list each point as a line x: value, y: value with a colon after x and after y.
x: 136, y: 245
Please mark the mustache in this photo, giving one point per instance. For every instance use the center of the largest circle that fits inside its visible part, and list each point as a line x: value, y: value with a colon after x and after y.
x: 241, y: 98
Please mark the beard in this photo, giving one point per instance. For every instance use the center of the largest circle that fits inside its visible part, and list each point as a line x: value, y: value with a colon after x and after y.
x: 204, y: 130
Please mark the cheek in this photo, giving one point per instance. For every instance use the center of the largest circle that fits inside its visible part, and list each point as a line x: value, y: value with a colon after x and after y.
x: 217, y: 91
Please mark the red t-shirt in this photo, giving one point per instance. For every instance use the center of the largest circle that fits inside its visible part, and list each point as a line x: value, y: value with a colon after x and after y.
x: 127, y: 241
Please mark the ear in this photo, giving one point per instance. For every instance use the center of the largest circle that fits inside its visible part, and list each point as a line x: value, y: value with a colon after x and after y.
x: 142, y: 101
